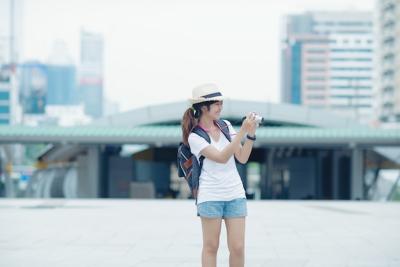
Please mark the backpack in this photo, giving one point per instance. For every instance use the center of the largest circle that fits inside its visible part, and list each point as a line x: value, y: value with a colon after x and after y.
x: 188, y: 165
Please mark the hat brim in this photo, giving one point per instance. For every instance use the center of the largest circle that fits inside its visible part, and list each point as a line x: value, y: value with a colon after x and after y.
x: 203, y: 99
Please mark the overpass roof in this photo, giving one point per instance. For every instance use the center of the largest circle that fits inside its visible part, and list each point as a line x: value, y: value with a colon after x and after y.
x: 274, y: 114
x: 158, y: 125
x: 171, y: 135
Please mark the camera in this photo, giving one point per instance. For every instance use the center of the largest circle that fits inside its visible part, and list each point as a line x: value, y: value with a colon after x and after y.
x: 259, y: 119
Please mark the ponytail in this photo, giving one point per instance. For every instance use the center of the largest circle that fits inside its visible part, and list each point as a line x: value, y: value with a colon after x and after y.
x: 191, y: 118
x: 188, y: 123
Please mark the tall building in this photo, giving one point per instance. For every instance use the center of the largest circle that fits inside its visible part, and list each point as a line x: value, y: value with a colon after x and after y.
x: 11, y: 14
x: 61, y: 85
x: 10, y: 47
x: 5, y: 95
x: 32, y: 78
x: 305, y: 70
x: 91, y: 73
x: 388, y: 59
x: 327, y: 62
x: 61, y: 76
x: 9, y: 109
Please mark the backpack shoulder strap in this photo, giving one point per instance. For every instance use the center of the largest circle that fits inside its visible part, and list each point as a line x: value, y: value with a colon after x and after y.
x: 223, y: 126
x: 200, y: 132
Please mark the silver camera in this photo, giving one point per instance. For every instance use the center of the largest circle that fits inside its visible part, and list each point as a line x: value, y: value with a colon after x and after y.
x: 259, y: 119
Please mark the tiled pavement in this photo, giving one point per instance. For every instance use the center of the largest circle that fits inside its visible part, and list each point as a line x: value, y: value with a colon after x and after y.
x: 143, y: 233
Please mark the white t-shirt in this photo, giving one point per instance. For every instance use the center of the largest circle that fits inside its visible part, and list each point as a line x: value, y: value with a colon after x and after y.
x: 218, y: 181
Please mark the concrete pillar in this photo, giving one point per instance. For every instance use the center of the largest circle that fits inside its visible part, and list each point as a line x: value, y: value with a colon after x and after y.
x: 7, y: 167
x: 89, y: 173
x: 263, y: 176
x: 335, y: 174
x: 356, y: 184
x: 266, y: 174
x: 319, y: 175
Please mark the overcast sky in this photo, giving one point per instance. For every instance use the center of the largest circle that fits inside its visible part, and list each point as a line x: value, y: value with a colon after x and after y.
x: 157, y: 51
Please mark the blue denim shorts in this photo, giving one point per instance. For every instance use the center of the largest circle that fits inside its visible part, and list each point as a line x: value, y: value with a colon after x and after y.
x: 223, y: 209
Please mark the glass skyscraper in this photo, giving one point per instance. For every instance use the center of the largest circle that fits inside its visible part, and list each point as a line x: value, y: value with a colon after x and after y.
x: 5, y: 95
x: 91, y: 73
x: 33, y: 87
x: 61, y: 85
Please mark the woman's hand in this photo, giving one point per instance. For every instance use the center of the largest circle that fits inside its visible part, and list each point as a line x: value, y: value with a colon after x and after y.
x: 252, y: 130
x: 249, y: 124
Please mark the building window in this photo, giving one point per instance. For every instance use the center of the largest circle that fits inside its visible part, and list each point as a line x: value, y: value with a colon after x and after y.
x: 389, y: 41
x: 350, y: 78
x: 346, y: 87
x: 316, y: 78
x: 339, y: 50
x: 351, y: 69
x: 316, y: 69
x: 4, y: 95
x: 351, y: 59
x: 389, y: 7
x: 320, y: 97
x: 4, y: 109
x: 352, y: 96
x: 388, y: 89
x: 354, y: 23
x: 315, y: 88
x: 316, y: 60
x: 389, y: 25
x: 316, y: 51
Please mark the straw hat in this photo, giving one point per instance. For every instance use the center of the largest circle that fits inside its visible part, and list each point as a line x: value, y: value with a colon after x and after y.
x: 206, y: 92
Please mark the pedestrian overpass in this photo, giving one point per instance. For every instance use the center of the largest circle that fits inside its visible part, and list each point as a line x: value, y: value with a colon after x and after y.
x: 300, y: 153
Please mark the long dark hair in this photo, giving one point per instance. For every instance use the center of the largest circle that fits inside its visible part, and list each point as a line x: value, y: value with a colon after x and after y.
x: 191, y: 118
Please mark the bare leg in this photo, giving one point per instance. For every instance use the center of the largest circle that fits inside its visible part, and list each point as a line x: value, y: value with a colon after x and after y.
x: 211, y: 232
x: 235, y: 228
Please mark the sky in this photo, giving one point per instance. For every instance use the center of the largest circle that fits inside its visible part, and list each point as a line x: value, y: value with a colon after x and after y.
x: 156, y: 51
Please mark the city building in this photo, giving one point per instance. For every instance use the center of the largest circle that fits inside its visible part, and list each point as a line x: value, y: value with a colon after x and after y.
x: 388, y: 62
x: 61, y: 85
x: 327, y: 62
x: 91, y: 73
x: 11, y: 31
x: 6, y: 94
x: 32, y: 78
x: 10, y: 46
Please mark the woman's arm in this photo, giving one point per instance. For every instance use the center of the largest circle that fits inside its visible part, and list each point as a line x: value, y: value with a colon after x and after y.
x: 224, y: 155
x: 242, y: 154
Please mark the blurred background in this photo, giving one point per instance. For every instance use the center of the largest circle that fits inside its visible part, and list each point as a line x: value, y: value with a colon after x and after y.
x: 92, y: 94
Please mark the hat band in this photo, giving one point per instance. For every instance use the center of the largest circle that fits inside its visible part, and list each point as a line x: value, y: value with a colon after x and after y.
x: 212, y: 95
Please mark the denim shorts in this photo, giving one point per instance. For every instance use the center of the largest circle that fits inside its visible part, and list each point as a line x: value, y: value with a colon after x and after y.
x: 223, y: 209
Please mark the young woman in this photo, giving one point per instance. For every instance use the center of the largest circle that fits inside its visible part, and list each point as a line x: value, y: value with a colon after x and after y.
x: 221, y: 194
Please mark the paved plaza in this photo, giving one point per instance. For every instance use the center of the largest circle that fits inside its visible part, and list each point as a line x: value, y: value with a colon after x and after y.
x: 143, y: 233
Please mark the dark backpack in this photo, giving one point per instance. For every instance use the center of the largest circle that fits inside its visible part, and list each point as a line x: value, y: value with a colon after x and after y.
x: 188, y: 165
